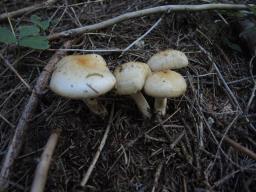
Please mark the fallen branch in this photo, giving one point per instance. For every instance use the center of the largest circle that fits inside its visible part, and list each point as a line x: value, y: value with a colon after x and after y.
x: 236, y: 145
x: 26, y: 9
x: 102, y: 144
x: 144, y: 12
x: 26, y: 116
x: 44, y: 164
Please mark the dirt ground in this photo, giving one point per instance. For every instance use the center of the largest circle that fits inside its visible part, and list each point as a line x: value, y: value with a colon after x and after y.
x: 185, y: 143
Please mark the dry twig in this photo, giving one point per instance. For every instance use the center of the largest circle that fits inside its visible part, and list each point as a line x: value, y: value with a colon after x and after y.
x: 26, y: 9
x: 7, y: 121
x: 237, y: 146
x: 254, y: 87
x: 144, y: 12
x: 157, y: 175
x: 10, y: 66
x: 26, y: 116
x: 97, y: 154
x: 44, y: 164
x: 144, y: 35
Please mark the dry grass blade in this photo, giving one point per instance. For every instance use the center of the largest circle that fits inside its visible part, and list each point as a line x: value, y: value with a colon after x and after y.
x: 157, y: 176
x: 142, y: 36
x: 6, y: 120
x: 15, y: 72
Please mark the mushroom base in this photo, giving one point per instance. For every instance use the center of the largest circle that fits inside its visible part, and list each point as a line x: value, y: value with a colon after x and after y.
x: 142, y: 104
x: 96, y: 107
x: 160, y: 106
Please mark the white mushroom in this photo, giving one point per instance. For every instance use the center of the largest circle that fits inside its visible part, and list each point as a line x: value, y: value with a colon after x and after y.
x: 162, y: 85
x: 168, y: 59
x: 130, y: 79
x: 163, y: 61
x: 83, y: 77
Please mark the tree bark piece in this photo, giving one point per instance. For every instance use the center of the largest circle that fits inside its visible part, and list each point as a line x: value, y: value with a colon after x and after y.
x: 44, y: 164
x: 26, y: 116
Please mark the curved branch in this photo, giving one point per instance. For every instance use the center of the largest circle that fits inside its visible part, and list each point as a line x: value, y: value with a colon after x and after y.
x: 144, y: 12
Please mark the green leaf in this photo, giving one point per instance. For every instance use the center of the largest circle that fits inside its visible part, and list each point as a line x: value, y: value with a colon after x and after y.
x: 35, y: 42
x: 28, y: 30
x: 45, y: 24
x: 35, y: 19
x: 6, y: 36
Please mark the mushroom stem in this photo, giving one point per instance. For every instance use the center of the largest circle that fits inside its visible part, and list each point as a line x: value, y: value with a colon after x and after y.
x: 142, y: 104
x: 96, y: 107
x: 160, y: 106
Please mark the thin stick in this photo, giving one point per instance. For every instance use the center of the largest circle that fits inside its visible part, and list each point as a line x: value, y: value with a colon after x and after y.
x: 211, y: 164
x: 144, y: 35
x: 231, y: 95
x: 157, y: 175
x: 97, y: 154
x: 177, y: 140
x: 15, y: 72
x: 26, y: 9
x: 254, y: 87
x: 44, y: 164
x: 251, y: 98
x: 90, y: 50
x: 237, y: 146
x: 6, y: 121
x: 26, y: 116
x: 144, y: 12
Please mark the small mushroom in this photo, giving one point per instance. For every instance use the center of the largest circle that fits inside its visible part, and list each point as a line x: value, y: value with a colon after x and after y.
x: 83, y: 77
x: 162, y: 85
x: 168, y: 59
x: 130, y: 79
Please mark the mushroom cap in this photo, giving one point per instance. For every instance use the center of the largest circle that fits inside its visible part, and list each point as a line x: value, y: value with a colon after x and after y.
x: 130, y: 77
x: 168, y: 59
x: 167, y: 83
x: 81, y: 77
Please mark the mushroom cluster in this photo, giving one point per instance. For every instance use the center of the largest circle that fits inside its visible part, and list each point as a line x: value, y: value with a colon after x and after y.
x: 87, y: 77
x: 165, y: 83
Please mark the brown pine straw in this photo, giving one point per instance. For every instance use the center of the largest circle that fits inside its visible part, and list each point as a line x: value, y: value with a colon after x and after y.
x: 27, y: 114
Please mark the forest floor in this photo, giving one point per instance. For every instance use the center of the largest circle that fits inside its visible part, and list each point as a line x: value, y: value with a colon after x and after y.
x: 186, y: 147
